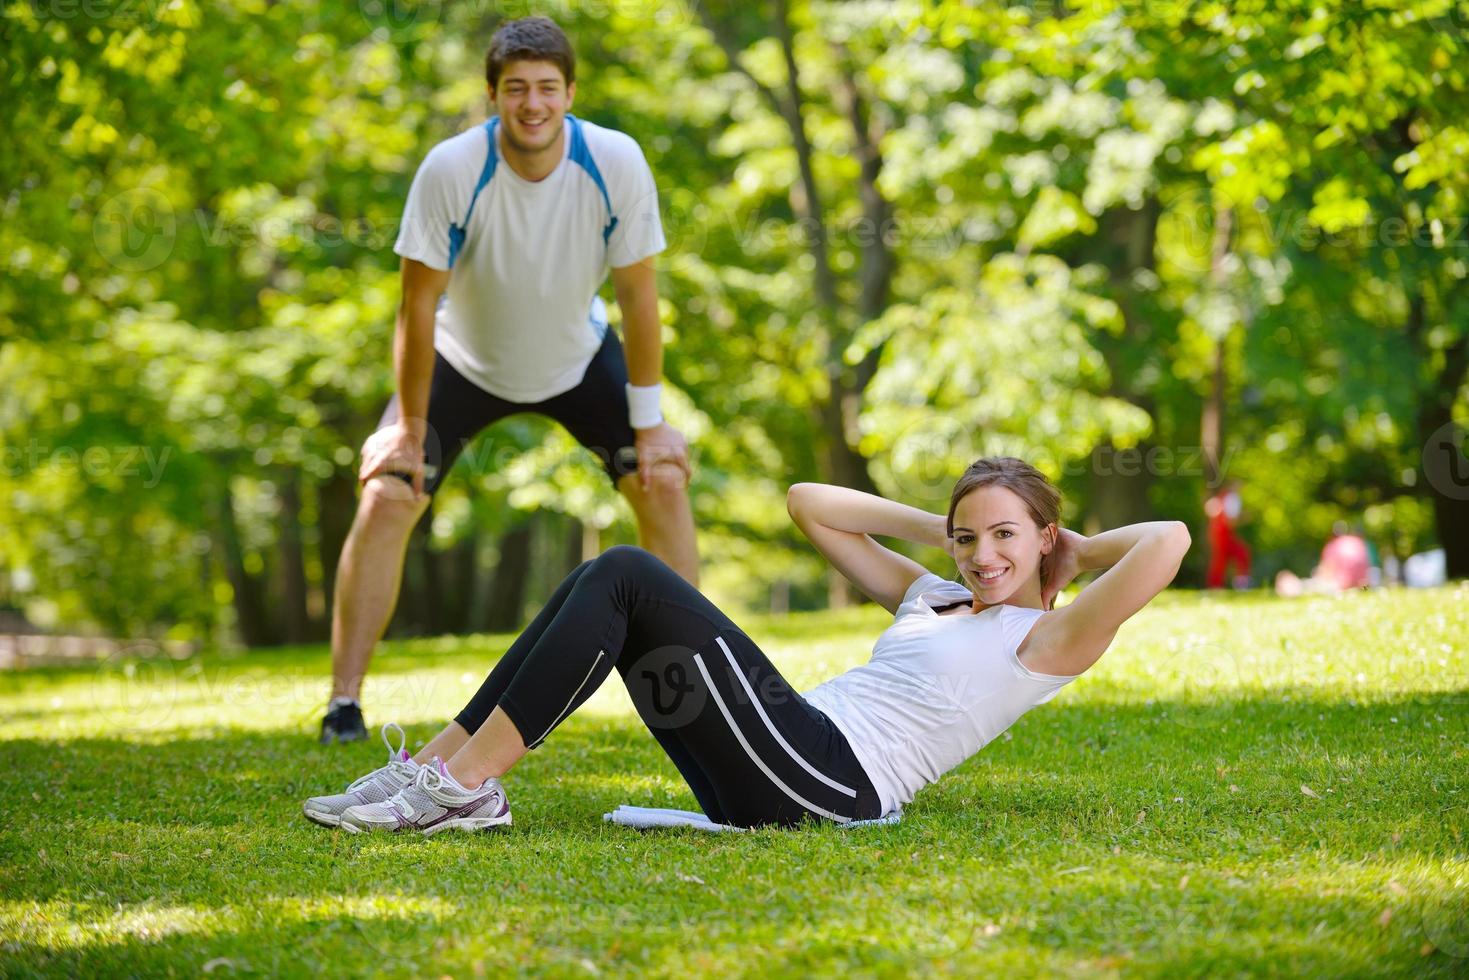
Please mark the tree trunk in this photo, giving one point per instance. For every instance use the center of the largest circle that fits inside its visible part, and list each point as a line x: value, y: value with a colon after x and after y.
x: 1444, y: 462
x: 250, y: 619
x: 1119, y: 478
x: 1120, y: 486
x: 452, y: 575
x: 1211, y: 423
x: 1442, y: 444
x: 576, y: 546
x: 213, y: 633
x: 844, y: 465
x: 837, y: 416
x: 291, y: 588
x: 1211, y: 428
x: 591, y: 542
x: 481, y: 584
x: 506, y: 595
x: 1451, y: 511
x: 780, y: 597
x: 431, y: 594
x: 466, y: 560
x: 337, y: 507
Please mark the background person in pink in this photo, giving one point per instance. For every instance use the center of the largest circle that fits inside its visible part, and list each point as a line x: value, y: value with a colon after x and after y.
x: 1346, y: 563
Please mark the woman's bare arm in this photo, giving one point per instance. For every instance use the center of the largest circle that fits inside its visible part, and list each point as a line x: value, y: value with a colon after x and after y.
x: 841, y: 522
x: 1141, y: 560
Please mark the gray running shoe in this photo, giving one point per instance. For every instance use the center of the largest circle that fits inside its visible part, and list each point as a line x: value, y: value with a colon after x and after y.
x: 432, y: 803
x: 375, y: 787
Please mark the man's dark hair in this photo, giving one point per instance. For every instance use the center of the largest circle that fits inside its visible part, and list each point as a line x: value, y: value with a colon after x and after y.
x: 529, y: 39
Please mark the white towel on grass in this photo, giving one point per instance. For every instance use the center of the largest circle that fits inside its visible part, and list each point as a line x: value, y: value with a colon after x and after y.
x: 648, y: 817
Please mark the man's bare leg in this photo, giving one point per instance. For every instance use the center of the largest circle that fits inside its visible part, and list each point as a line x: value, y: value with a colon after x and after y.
x: 665, y: 519
x: 368, y: 578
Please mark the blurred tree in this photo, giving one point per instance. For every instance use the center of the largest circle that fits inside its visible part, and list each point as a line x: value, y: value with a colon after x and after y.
x: 1140, y: 245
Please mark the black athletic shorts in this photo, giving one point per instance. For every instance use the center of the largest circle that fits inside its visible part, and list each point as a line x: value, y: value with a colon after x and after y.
x: 594, y: 412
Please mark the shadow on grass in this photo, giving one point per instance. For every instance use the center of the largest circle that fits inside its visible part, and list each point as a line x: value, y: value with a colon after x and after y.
x: 1134, y: 795
x: 791, y: 937
x: 480, y: 650
x: 474, y: 652
x: 1060, y: 765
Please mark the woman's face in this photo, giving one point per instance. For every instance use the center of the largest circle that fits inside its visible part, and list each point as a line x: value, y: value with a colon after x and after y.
x: 996, y: 544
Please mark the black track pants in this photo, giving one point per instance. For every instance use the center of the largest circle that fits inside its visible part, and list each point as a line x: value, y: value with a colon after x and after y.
x: 751, y: 748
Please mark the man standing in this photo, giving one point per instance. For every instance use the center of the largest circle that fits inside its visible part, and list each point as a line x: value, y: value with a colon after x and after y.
x: 517, y: 221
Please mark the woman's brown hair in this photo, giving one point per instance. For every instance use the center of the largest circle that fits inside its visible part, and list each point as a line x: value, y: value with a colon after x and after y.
x: 1041, y: 498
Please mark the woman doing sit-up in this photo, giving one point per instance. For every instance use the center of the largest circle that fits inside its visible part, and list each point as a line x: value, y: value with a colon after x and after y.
x: 957, y: 667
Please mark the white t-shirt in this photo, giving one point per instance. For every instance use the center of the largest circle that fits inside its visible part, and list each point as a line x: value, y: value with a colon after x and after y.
x: 521, y: 317
x: 936, y: 691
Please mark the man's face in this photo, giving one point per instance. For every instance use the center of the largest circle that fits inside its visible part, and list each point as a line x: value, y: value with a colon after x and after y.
x: 532, y: 99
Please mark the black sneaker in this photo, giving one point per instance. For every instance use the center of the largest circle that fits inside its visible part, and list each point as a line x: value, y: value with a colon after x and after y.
x: 343, y: 723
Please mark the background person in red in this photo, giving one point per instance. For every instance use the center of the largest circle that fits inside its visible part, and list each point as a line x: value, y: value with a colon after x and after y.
x: 1225, y: 546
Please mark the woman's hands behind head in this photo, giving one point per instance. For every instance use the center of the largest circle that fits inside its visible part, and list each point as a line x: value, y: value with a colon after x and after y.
x: 1065, y: 565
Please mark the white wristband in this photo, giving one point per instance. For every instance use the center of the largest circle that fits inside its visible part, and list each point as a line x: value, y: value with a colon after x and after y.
x: 642, y: 405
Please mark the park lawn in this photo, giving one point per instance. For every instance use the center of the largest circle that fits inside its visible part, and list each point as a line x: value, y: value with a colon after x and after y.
x: 1242, y: 785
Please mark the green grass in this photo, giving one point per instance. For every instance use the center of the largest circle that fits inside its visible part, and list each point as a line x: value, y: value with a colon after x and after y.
x: 1241, y: 786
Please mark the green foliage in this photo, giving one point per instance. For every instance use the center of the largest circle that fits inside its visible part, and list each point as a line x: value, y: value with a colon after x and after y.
x: 1009, y: 241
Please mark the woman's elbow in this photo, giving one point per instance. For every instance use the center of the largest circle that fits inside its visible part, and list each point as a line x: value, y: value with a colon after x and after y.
x: 801, y: 495
x: 796, y: 497
x: 1178, y: 536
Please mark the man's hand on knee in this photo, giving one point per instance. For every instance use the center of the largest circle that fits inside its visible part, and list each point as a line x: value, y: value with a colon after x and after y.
x: 394, y: 449
x: 663, y: 458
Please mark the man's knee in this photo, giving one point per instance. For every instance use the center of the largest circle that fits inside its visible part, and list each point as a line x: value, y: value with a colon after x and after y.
x: 666, y: 495
x: 387, y: 501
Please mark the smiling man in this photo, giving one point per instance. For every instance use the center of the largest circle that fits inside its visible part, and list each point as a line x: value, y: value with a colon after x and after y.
x: 508, y: 232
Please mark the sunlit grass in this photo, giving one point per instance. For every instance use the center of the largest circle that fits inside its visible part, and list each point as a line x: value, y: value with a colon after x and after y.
x: 1241, y: 785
